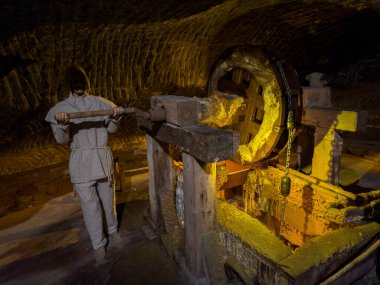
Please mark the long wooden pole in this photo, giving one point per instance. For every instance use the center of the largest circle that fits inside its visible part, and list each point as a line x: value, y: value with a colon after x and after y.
x: 156, y: 115
x: 97, y: 113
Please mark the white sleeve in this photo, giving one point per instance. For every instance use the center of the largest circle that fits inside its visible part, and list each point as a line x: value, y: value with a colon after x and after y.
x: 61, y: 133
x: 113, y: 125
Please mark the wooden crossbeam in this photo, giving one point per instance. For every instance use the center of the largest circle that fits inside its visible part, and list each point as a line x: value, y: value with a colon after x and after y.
x: 204, y: 143
x: 344, y: 120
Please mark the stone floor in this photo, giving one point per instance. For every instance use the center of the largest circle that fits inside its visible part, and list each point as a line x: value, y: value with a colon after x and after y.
x: 53, y: 247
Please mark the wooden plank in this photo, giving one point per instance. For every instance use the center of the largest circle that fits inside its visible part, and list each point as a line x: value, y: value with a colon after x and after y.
x: 316, y: 97
x: 180, y: 111
x: 173, y: 237
x: 204, y: 143
x: 301, y: 220
x: 235, y: 179
x: 324, y: 189
x: 214, y: 259
x: 237, y: 174
x: 354, y: 214
x: 326, y: 254
x: 326, y: 158
x: 153, y: 197
x: 160, y: 177
x: 356, y: 268
x: 338, y: 119
x: 199, y: 188
x: 308, y: 207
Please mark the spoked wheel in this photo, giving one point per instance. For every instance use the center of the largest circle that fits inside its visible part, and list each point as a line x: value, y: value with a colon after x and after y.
x: 252, y: 74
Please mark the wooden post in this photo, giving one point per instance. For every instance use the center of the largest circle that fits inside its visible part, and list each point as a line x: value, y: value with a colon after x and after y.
x: 327, y: 152
x: 319, y: 112
x: 336, y: 155
x: 160, y: 177
x: 202, y: 147
x: 199, y: 188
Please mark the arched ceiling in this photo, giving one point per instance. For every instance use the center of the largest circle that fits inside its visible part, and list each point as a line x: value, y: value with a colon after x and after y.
x: 132, y: 49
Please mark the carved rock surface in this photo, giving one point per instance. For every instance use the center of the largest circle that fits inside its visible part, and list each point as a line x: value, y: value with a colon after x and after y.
x: 132, y: 49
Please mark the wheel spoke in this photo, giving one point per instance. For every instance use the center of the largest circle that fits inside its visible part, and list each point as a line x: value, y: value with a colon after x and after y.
x: 241, y: 79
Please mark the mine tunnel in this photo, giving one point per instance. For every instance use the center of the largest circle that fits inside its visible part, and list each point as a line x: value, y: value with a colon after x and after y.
x: 249, y: 154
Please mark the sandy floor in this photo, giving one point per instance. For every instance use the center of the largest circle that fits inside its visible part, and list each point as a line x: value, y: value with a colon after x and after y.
x: 53, y: 247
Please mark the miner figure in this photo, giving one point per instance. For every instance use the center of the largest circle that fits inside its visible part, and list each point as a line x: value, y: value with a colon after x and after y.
x: 91, y: 160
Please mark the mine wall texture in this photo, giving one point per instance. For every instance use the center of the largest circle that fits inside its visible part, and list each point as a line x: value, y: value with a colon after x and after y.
x: 132, y: 50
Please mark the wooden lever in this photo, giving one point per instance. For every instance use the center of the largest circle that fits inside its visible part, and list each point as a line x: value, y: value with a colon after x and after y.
x: 97, y: 113
x: 155, y: 115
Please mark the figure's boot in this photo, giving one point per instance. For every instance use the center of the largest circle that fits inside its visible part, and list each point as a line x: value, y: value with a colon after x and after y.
x: 100, y: 255
x: 115, y: 239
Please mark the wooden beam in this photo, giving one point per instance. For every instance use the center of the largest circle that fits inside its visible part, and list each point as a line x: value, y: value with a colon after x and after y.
x: 214, y: 259
x: 328, y: 147
x: 160, y: 177
x: 199, y: 188
x: 343, y: 120
x: 356, y: 268
x: 316, y: 97
x: 204, y: 143
x: 327, y: 142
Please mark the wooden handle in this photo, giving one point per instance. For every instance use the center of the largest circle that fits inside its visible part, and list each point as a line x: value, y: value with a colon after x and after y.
x: 98, y: 113
x: 156, y: 115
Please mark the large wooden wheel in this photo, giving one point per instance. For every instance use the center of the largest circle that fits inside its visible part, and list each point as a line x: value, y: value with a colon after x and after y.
x: 260, y: 120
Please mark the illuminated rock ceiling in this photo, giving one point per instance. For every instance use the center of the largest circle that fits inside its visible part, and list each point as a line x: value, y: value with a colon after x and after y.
x: 132, y: 49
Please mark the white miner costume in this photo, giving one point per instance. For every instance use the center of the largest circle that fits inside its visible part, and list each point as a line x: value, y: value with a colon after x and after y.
x: 91, y: 161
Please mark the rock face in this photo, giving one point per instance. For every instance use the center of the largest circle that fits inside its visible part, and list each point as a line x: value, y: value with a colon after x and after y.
x: 133, y: 49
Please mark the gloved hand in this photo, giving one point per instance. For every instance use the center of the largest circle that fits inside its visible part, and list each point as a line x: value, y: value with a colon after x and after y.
x: 117, y: 112
x: 62, y: 118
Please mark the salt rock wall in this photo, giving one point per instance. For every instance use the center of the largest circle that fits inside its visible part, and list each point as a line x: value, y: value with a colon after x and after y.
x: 134, y: 49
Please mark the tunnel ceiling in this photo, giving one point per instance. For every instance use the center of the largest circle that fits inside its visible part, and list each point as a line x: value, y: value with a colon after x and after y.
x: 133, y: 49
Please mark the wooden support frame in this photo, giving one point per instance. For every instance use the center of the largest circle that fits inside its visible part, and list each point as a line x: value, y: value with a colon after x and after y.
x: 328, y: 147
x: 319, y: 113
x: 199, y: 187
x: 327, y: 142
x: 200, y: 198
x: 160, y: 177
x: 202, y: 142
x: 202, y: 146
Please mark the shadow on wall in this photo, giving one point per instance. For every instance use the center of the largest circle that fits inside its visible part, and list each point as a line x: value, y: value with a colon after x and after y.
x: 11, y: 62
x: 310, y: 40
x: 23, y: 15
